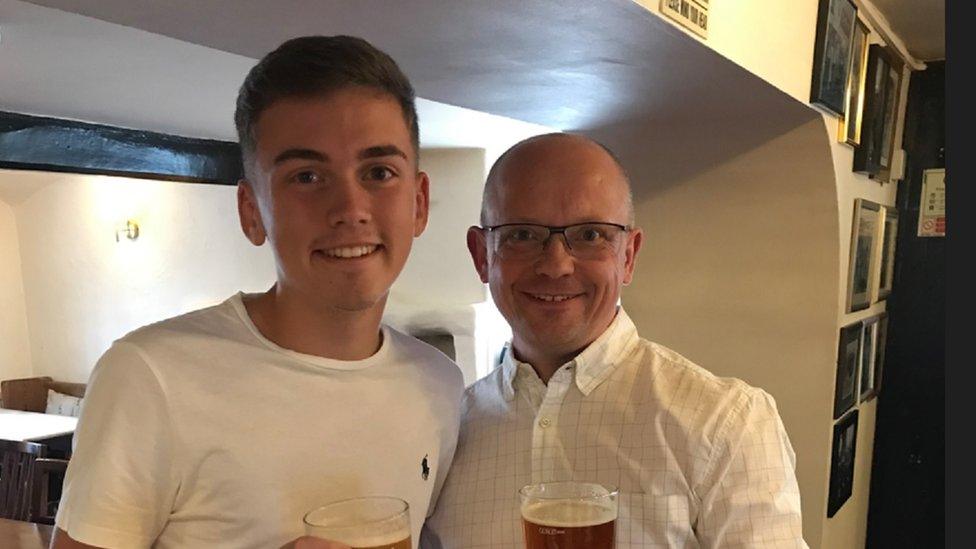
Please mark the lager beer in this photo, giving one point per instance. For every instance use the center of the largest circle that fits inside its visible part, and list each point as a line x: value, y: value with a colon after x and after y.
x: 568, y: 515
x: 363, y: 523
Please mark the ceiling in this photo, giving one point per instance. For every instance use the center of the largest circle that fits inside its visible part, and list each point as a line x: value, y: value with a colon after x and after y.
x: 920, y: 24
x: 175, y: 66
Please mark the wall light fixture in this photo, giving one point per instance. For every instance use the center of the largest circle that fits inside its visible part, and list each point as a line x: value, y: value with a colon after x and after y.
x: 130, y: 230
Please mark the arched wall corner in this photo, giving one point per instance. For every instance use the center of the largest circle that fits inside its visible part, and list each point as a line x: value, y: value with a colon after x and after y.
x: 738, y: 270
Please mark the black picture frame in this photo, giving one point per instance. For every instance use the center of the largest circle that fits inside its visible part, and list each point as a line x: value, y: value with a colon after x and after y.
x: 832, y: 54
x: 879, y: 352
x: 867, y: 388
x: 842, y: 454
x: 872, y: 157
x: 866, y: 231
x: 848, y: 365
x: 889, y: 239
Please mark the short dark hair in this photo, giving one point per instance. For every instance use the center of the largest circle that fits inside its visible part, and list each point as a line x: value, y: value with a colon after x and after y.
x: 316, y: 65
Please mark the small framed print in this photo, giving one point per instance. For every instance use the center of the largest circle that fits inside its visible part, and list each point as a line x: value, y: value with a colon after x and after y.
x: 869, y: 344
x: 832, y: 54
x: 849, y: 128
x: 879, y: 351
x: 886, y: 267
x: 873, y: 155
x: 842, y: 463
x: 848, y: 364
x: 865, y: 234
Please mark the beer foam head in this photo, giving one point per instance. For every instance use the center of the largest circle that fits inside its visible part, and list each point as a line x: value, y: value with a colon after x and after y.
x: 568, y: 514
x: 374, y: 539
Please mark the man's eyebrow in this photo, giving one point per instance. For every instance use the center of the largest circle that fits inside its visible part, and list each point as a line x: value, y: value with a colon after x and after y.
x: 300, y: 154
x: 382, y: 150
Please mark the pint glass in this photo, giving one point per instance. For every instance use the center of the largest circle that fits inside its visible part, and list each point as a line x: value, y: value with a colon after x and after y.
x: 363, y: 523
x: 568, y: 515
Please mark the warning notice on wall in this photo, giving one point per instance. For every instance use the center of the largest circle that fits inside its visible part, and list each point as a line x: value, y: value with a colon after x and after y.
x: 932, y: 208
x: 692, y: 14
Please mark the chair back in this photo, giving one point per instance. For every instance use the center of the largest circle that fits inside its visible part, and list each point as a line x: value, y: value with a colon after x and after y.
x: 43, y: 510
x: 30, y: 394
x: 17, y: 477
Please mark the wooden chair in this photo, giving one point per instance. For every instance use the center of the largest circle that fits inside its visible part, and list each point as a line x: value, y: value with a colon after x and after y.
x: 30, y: 394
x: 16, y: 477
x: 43, y: 510
x: 25, y: 481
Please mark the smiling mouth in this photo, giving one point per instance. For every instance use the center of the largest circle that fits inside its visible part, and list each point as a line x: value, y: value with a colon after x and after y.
x: 552, y: 298
x: 349, y: 252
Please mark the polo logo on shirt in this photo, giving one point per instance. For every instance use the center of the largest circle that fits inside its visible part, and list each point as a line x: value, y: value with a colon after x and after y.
x: 424, y: 469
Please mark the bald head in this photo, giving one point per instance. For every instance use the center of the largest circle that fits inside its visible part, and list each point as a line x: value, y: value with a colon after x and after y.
x: 552, y: 153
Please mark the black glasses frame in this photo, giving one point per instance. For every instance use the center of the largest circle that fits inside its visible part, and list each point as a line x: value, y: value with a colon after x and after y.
x: 555, y: 229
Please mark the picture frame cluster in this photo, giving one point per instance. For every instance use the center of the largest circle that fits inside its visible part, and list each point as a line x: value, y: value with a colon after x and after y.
x: 860, y: 364
x: 860, y: 83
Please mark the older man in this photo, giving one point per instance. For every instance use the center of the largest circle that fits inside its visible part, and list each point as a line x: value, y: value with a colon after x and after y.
x: 700, y: 461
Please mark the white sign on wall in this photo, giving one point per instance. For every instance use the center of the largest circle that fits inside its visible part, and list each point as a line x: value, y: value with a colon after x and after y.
x: 932, y: 208
x: 692, y: 14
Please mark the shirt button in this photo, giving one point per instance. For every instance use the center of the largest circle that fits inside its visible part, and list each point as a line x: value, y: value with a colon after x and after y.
x: 545, y: 422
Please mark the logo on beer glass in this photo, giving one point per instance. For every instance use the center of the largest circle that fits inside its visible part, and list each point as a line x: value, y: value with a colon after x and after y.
x: 568, y: 515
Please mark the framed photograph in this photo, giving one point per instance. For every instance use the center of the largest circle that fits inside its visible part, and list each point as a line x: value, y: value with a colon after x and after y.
x: 849, y: 128
x: 865, y: 233
x: 842, y: 463
x: 869, y: 345
x: 879, y: 351
x: 886, y: 266
x: 848, y: 364
x: 832, y: 54
x: 873, y: 155
x: 891, y: 103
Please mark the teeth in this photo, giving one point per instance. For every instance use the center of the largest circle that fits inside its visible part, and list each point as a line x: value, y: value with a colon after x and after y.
x: 352, y: 251
x: 547, y: 297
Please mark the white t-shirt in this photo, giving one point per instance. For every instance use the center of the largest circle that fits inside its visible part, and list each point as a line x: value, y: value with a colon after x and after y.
x: 199, y: 432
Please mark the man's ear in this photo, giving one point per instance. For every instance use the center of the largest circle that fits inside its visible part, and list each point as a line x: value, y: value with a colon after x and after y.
x: 635, y: 239
x: 478, y: 247
x: 249, y: 213
x: 422, y: 205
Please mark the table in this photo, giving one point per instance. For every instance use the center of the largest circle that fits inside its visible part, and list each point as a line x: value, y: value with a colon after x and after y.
x: 15, y: 534
x: 34, y: 427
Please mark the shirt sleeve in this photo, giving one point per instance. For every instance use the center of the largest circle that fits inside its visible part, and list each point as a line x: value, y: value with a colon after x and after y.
x: 750, y: 497
x: 121, y: 480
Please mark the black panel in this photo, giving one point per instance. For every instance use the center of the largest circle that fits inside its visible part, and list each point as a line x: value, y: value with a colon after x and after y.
x: 907, y: 505
x: 51, y: 144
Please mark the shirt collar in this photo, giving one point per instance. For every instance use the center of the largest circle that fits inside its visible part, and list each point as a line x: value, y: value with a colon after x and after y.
x: 594, y: 364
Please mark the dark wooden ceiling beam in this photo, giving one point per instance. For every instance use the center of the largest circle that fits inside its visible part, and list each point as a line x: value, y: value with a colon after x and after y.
x: 50, y: 144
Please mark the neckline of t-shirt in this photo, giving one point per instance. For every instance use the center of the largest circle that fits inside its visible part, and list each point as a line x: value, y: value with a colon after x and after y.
x: 237, y: 303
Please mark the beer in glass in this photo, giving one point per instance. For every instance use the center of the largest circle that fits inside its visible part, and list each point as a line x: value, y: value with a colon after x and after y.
x: 568, y: 515
x: 363, y: 523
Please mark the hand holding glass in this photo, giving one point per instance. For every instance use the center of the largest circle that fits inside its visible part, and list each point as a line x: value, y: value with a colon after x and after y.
x: 568, y: 515
x: 363, y: 523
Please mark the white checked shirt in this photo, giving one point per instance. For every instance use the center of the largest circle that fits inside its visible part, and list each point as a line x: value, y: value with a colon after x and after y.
x: 700, y: 461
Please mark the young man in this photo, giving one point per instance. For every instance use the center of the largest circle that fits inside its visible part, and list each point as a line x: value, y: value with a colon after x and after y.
x: 700, y: 461
x: 224, y: 426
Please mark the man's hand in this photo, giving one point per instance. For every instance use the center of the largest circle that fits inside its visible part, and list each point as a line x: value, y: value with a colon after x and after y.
x: 309, y: 542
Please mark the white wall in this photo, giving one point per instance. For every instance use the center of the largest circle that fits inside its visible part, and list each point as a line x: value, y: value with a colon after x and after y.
x: 439, y: 287
x: 737, y: 260
x: 83, y: 289
x: 15, y: 358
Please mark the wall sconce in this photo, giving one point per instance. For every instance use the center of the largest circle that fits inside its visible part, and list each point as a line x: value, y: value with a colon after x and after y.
x: 130, y: 230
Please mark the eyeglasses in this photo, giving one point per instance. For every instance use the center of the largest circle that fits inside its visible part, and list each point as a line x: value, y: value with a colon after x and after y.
x: 584, y: 240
